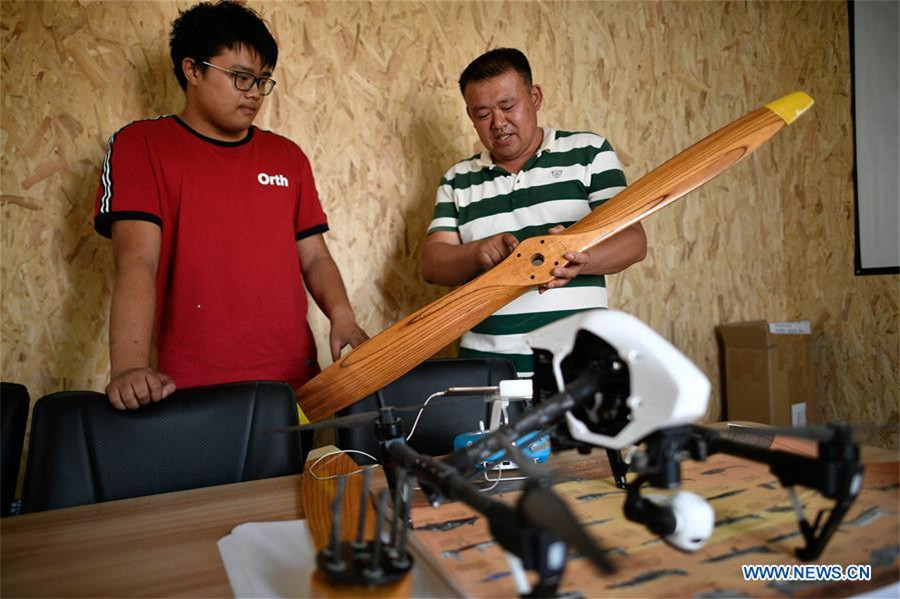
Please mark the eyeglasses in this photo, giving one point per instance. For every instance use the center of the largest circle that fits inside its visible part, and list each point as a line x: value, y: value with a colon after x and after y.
x: 244, y: 81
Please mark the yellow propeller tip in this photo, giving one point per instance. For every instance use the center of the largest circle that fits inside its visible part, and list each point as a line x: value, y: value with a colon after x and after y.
x: 791, y: 106
x: 301, y: 416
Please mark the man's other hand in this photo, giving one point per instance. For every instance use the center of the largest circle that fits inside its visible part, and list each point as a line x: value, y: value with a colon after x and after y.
x: 489, y: 252
x: 570, y: 270
x: 135, y: 387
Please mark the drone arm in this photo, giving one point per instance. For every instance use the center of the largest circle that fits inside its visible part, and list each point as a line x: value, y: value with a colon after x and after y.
x: 527, y: 531
x: 535, y: 547
x: 836, y: 473
x: 443, y: 477
x: 831, y: 473
x: 791, y: 469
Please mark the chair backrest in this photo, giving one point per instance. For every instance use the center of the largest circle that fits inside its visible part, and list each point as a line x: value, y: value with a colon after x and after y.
x: 438, y: 425
x: 83, y: 450
x: 13, y: 414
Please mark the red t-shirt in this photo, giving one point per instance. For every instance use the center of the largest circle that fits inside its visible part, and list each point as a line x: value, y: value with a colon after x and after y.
x: 230, y: 301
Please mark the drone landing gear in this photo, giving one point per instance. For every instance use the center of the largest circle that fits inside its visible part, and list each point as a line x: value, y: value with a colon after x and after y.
x: 835, y: 473
x: 619, y: 467
x: 817, y: 534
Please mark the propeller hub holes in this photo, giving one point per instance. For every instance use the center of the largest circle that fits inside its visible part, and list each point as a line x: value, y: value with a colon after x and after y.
x: 537, y: 259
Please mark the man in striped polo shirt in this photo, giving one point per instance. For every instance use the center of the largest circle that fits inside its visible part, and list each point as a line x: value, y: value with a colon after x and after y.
x: 528, y: 181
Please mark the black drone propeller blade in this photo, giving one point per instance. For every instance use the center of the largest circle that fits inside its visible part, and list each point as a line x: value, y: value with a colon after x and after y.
x: 364, y: 418
x: 810, y: 433
x: 542, y: 507
x: 348, y: 421
x: 820, y: 433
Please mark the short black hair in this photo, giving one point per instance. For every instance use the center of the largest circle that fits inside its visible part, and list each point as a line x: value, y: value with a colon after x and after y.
x: 493, y: 63
x: 206, y: 29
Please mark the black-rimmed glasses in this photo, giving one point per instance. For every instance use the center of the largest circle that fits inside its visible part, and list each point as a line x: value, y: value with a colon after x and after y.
x: 244, y: 81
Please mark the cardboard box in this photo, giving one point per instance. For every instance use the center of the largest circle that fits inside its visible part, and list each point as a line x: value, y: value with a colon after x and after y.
x: 769, y: 375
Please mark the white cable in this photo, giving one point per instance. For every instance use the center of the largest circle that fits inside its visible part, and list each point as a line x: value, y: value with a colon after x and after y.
x: 311, y: 469
x: 422, y: 409
x: 497, y: 480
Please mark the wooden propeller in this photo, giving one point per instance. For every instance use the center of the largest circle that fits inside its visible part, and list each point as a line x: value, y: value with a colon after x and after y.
x: 398, y: 349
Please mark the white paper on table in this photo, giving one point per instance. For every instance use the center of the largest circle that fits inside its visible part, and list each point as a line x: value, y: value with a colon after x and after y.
x: 276, y: 559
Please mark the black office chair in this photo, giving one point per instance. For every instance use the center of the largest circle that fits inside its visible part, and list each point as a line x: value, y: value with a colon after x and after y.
x: 13, y: 414
x: 438, y: 425
x: 83, y: 450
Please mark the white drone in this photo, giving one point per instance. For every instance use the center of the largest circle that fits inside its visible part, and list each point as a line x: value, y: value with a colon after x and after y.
x: 666, y: 390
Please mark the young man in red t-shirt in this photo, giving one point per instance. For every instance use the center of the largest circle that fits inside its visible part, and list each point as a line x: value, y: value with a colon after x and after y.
x: 216, y: 226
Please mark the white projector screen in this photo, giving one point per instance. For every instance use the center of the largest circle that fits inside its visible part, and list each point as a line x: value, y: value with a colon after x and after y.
x: 875, y: 29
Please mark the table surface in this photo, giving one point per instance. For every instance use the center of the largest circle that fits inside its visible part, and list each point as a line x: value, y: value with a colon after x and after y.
x: 161, y: 545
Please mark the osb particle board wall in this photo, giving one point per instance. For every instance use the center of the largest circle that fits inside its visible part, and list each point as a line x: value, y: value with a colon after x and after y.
x: 368, y: 90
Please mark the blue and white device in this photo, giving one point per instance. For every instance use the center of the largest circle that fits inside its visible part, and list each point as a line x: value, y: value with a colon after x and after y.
x: 533, y: 447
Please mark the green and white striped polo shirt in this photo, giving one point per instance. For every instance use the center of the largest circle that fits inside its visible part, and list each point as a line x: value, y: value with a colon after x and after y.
x: 569, y: 175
